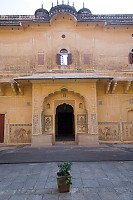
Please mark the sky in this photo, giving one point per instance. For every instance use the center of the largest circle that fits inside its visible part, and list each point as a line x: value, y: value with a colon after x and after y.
x: 28, y: 7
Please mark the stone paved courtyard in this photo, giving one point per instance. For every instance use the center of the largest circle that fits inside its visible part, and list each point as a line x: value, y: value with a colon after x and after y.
x: 91, y: 181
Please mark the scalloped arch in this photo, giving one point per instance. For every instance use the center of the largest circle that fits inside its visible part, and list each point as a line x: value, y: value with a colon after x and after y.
x: 63, y: 89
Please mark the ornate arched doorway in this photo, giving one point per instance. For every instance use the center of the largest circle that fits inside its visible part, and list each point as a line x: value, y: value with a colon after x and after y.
x: 64, y: 123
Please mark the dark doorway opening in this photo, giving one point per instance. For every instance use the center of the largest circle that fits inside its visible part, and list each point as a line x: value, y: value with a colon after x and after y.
x: 64, y: 123
x: 2, y: 121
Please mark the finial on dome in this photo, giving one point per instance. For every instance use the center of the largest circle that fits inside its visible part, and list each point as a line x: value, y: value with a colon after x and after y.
x: 73, y: 4
x: 57, y: 2
x: 83, y: 4
x: 68, y: 2
x: 42, y: 6
x: 62, y: 1
x: 52, y: 4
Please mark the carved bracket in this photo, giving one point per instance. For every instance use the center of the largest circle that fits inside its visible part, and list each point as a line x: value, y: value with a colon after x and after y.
x: 127, y: 86
x: 108, y: 87
x: 20, y: 89
x: 114, y: 85
x: 14, y: 88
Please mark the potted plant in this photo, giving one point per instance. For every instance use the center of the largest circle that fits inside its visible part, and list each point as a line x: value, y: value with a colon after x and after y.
x: 64, y: 177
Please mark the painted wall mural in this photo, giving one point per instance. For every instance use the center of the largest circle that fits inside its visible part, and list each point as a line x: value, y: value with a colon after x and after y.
x: 48, y: 124
x: 82, y: 123
x: 127, y: 129
x: 20, y: 133
x: 109, y: 131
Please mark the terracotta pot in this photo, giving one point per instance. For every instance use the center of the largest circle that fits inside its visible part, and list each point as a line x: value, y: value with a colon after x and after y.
x: 62, y: 185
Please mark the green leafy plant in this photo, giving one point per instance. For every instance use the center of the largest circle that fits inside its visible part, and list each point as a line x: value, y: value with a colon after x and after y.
x: 64, y: 170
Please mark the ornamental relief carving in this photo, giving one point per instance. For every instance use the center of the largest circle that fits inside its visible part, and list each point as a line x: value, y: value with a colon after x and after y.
x: 82, y: 123
x: 48, y: 124
x: 35, y: 124
x: 127, y: 129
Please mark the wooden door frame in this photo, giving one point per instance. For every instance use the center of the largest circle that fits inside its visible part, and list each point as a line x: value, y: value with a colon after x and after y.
x: 3, y: 137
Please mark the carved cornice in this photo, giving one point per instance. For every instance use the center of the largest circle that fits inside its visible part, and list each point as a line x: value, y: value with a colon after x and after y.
x: 83, y: 15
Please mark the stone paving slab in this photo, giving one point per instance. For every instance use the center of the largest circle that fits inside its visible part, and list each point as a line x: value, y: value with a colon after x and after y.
x: 91, y: 181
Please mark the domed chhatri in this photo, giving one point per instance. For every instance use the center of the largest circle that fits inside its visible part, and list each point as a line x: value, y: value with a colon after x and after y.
x: 41, y: 12
x: 83, y: 15
x: 84, y: 11
x: 60, y: 9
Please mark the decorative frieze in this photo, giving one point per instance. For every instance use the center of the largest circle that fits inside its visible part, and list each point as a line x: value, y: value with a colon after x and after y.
x: 82, y: 123
x: 35, y: 124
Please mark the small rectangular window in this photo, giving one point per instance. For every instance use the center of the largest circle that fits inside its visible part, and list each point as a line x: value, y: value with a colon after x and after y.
x: 40, y: 59
x: 131, y: 101
x: 100, y: 102
x: 86, y: 59
x: 131, y: 57
x: 58, y: 59
x: 69, y: 58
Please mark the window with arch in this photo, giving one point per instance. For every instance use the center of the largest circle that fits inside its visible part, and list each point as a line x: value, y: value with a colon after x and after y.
x: 131, y: 56
x: 64, y: 57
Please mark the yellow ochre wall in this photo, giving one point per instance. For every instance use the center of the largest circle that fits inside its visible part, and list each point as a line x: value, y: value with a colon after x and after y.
x: 115, y: 115
x: 108, y: 48
x: 18, y: 116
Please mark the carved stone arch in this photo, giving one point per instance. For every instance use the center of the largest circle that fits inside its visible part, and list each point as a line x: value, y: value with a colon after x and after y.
x: 60, y: 91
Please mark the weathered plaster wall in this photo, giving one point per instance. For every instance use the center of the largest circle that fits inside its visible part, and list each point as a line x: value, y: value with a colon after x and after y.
x: 18, y: 116
x: 115, y: 115
x: 108, y: 49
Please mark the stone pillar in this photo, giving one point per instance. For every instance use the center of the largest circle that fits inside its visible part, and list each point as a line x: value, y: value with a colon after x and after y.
x: 35, y: 110
x: 91, y: 137
x: 38, y: 136
x: 93, y: 110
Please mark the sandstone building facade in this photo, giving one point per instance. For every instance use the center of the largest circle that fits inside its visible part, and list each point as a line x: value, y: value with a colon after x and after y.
x: 66, y: 75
